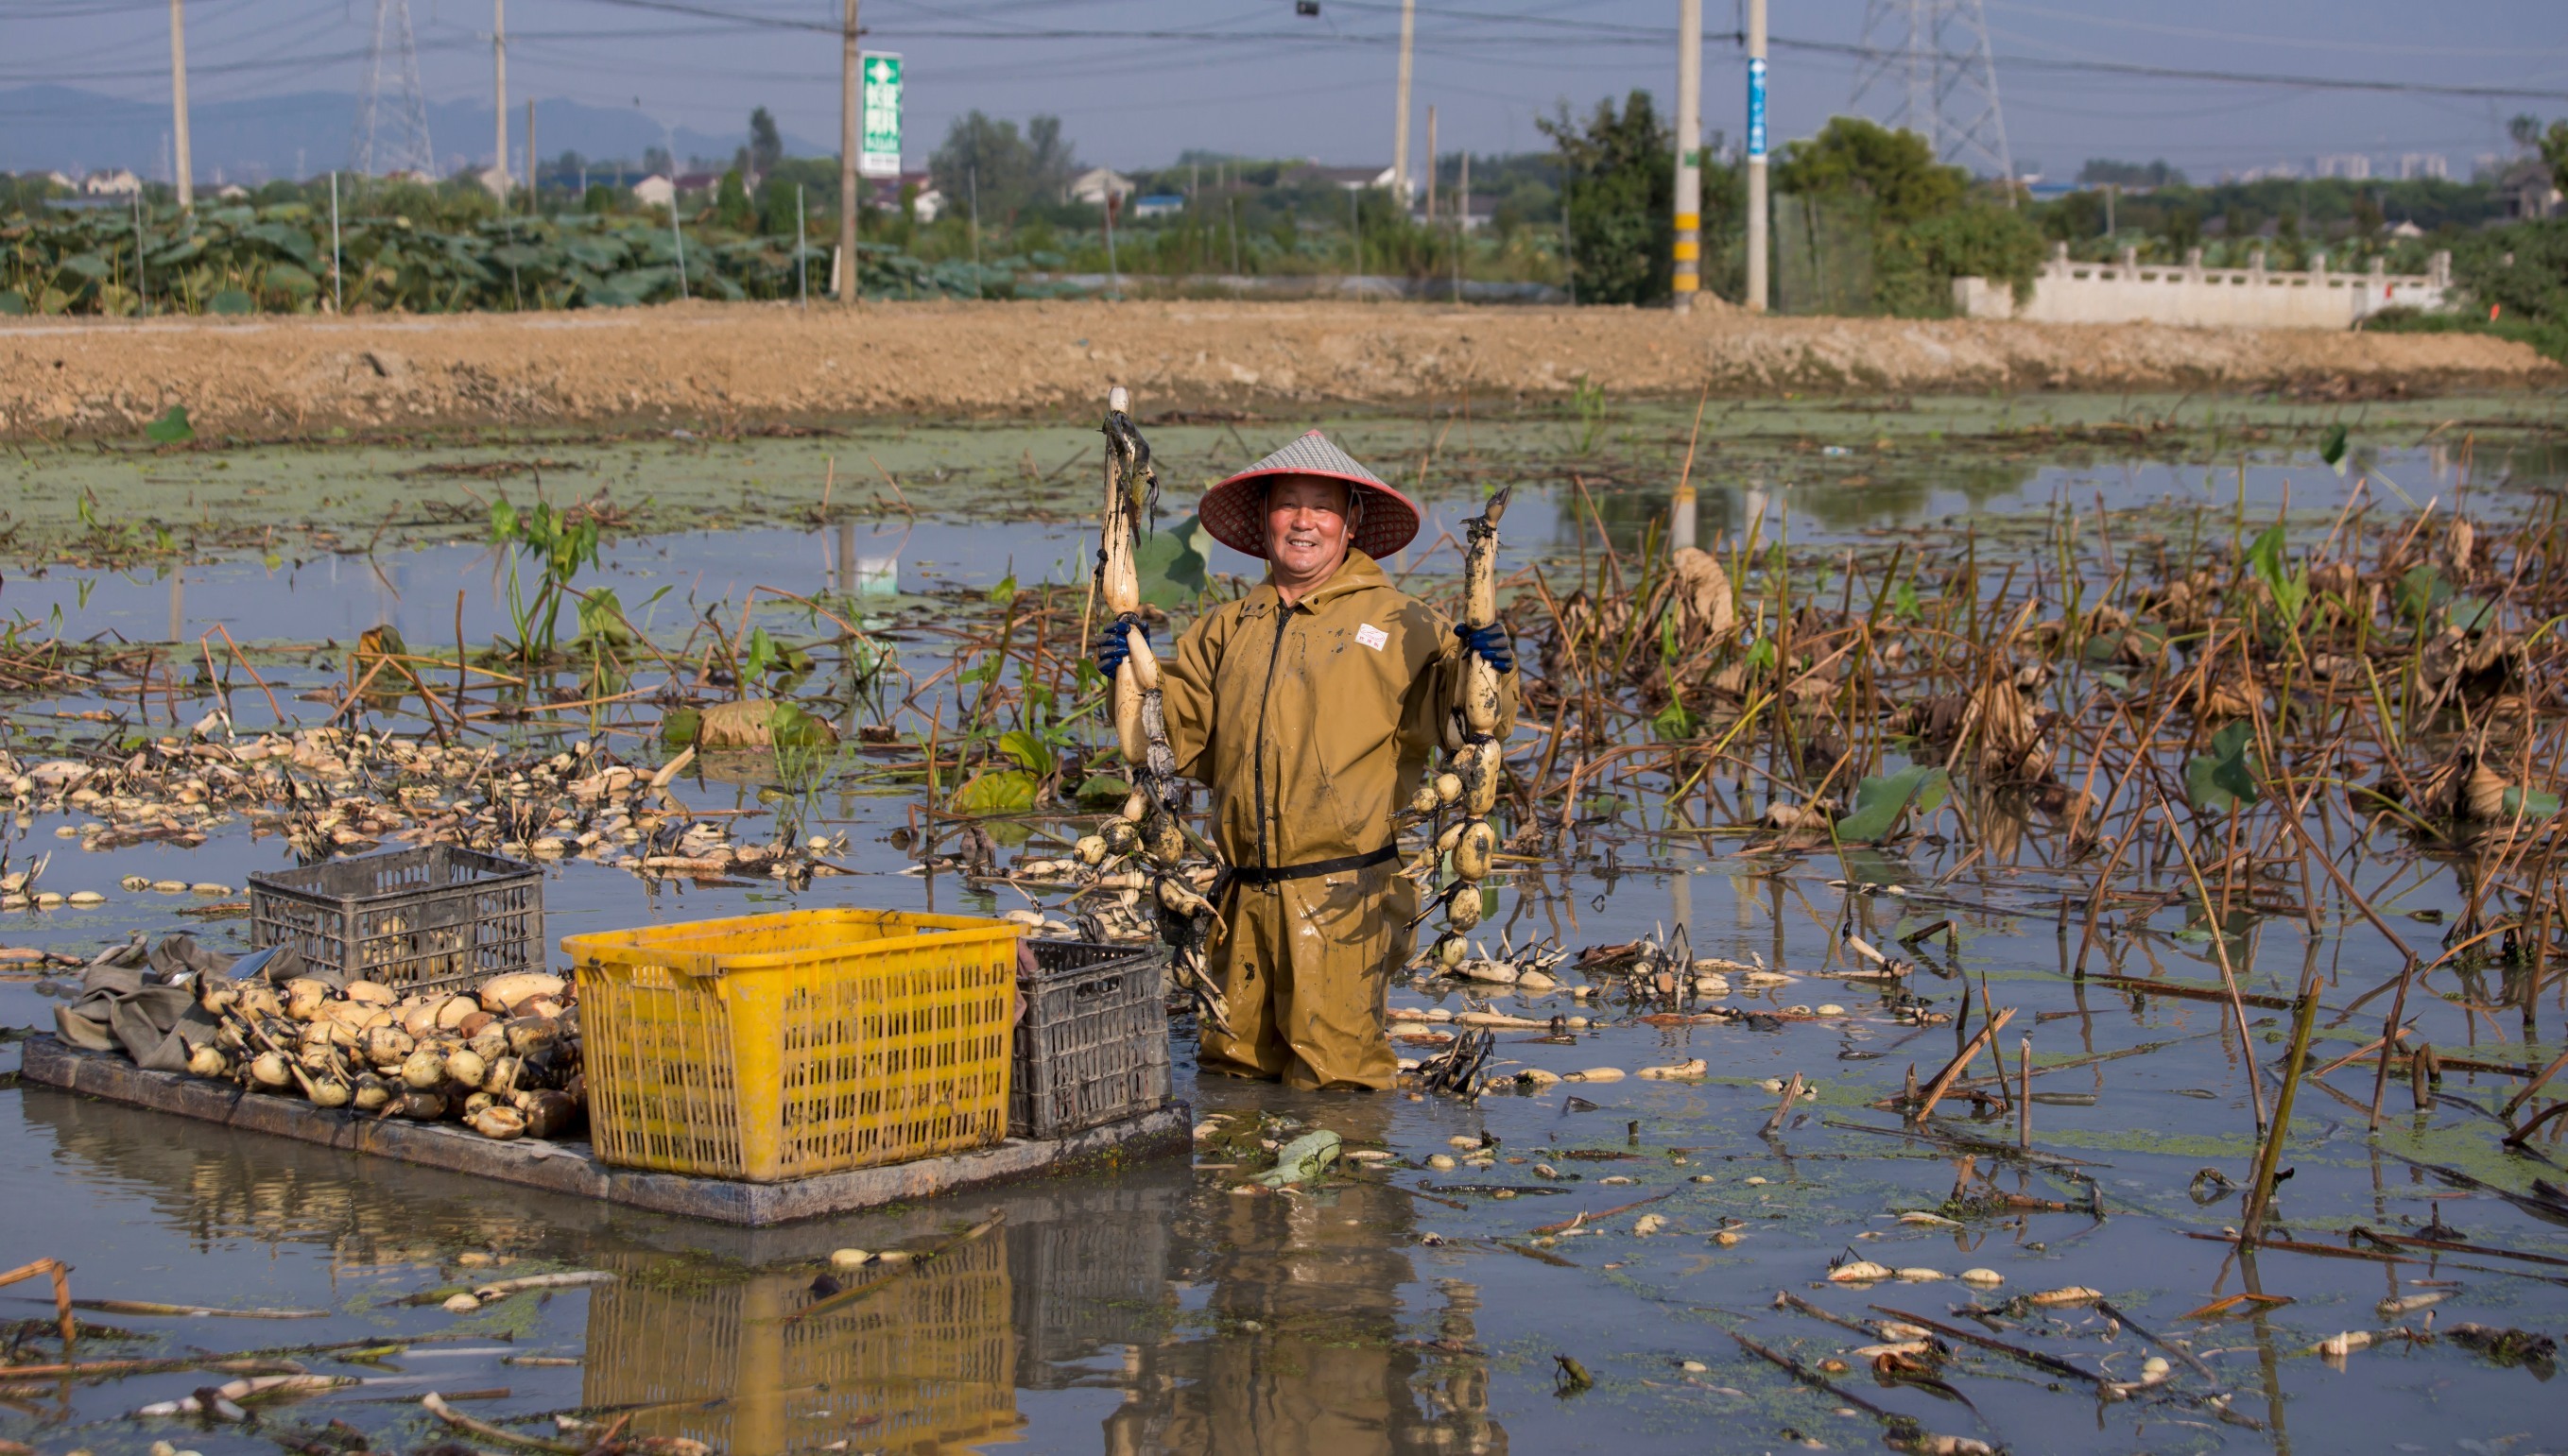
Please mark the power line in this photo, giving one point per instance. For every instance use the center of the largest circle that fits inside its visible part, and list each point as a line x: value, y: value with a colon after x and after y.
x: 1558, y: 35
x: 2303, y: 42
x: 2233, y: 78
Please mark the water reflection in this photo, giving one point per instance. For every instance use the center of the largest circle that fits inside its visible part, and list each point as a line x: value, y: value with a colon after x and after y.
x: 435, y: 593
x: 928, y: 1363
x: 221, y: 1187
x: 1281, y: 1324
x: 1309, y: 1351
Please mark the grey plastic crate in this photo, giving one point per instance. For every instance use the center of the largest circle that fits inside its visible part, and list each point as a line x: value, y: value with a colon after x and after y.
x: 1093, y: 1045
x: 433, y: 919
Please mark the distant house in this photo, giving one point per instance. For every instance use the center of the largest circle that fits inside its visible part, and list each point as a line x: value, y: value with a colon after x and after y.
x: 1095, y: 184
x: 656, y: 191
x: 63, y: 182
x: 1158, y: 204
x: 1351, y: 178
x: 1449, y: 211
x: 2407, y: 228
x: 883, y: 194
x: 2527, y: 190
x: 232, y: 192
x: 116, y: 183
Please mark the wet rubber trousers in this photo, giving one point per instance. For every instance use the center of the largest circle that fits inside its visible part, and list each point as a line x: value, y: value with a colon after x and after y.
x: 1305, y: 967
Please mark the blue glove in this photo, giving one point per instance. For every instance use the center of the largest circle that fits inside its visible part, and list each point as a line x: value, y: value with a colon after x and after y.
x: 1490, y: 642
x: 1112, y: 649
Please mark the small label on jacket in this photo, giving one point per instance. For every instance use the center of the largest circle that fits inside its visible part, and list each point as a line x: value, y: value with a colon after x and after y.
x: 1372, y: 635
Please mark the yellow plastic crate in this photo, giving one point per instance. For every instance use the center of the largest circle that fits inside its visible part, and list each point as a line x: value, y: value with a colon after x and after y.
x: 773, y: 1047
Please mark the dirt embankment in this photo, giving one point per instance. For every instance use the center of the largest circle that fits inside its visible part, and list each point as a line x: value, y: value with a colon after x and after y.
x: 729, y: 366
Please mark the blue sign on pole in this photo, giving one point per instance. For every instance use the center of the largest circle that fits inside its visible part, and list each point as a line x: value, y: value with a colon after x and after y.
x: 1757, y: 107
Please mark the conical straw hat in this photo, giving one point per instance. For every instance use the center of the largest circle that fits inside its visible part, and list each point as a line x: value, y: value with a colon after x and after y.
x: 1234, y: 510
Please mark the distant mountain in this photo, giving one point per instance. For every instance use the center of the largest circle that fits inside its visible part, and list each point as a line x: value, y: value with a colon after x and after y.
x: 305, y: 134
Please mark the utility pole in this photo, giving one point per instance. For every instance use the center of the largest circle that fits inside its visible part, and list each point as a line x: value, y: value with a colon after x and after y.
x: 1688, y: 249
x: 338, y: 290
x: 500, y: 94
x: 1400, y: 130
x: 852, y: 84
x: 1431, y: 166
x: 185, y: 171
x: 535, y: 168
x: 1757, y: 156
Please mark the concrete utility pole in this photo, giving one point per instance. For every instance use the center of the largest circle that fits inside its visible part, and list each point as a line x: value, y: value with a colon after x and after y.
x: 500, y: 94
x: 183, y: 173
x: 1432, y: 164
x: 851, y: 83
x: 1756, y: 286
x: 1689, y: 249
x: 1400, y: 130
x: 531, y: 157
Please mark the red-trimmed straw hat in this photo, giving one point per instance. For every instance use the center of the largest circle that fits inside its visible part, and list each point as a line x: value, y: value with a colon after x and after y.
x: 1234, y: 510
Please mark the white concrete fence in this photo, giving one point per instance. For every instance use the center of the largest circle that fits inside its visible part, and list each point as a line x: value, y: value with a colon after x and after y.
x: 2130, y: 291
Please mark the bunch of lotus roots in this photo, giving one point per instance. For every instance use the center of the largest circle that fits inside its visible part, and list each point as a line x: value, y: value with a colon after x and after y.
x: 503, y: 1060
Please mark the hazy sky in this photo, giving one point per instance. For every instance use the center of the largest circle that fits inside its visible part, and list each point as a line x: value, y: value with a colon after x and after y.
x: 1137, y: 81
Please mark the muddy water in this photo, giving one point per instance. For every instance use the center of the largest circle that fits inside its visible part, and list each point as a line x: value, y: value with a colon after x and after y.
x: 1401, y: 1306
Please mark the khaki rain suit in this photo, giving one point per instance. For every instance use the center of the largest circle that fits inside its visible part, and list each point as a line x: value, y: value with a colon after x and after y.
x: 1310, y: 723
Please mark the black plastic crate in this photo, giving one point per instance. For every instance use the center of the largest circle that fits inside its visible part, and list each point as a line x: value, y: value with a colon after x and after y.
x: 1093, y: 1045
x: 426, y: 920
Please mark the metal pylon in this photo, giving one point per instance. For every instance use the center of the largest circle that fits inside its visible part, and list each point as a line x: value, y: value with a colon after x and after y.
x: 1928, y: 63
x: 392, y: 116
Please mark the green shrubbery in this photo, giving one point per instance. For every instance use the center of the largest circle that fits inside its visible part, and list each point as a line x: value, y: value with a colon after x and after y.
x: 2521, y: 271
x: 1928, y: 223
x: 455, y: 256
x: 1619, y: 185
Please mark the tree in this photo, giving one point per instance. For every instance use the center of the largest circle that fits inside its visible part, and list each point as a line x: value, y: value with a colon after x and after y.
x: 1926, y: 229
x: 765, y: 143
x: 2104, y: 171
x: 656, y: 159
x: 730, y: 203
x: 1010, y: 170
x: 1914, y: 266
x: 1896, y: 169
x: 1051, y: 163
x: 2554, y: 151
x: 1619, y: 184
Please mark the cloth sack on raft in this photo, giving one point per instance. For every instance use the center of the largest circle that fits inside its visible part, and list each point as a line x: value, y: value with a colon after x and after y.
x: 149, y: 1009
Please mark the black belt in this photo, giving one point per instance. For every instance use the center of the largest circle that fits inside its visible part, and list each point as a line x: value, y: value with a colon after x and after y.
x: 1247, y: 875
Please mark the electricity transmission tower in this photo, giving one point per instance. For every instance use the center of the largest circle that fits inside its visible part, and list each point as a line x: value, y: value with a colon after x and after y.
x: 1928, y: 61
x: 392, y: 116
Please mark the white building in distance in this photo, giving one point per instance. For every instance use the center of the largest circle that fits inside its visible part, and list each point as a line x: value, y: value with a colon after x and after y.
x: 1095, y: 184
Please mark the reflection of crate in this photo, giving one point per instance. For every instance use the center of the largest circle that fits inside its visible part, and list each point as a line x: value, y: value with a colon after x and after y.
x: 1093, y: 1045
x: 927, y: 1363
x: 437, y: 918
x: 1094, y: 1275
x: 771, y: 1047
